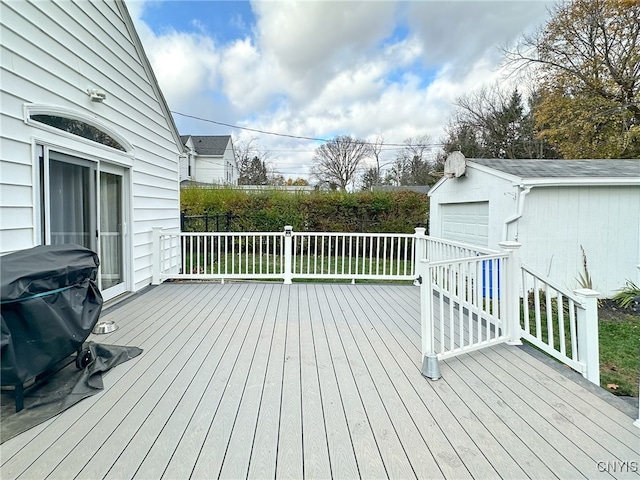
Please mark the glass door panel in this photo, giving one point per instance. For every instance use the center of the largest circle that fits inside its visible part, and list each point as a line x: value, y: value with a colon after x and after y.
x: 111, y: 231
x: 71, y: 202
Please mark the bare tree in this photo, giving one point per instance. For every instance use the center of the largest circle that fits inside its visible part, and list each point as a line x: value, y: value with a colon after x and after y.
x: 376, y: 149
x: 412, y: 165
x: 252, y: 163
x: 336, y: 162
x: 495, y: 123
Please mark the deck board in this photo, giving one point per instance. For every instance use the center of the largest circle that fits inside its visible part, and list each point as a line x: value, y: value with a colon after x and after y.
x: 342, y: 455
x: 370, y: 463
x: 264, y: 450
x: 317, y: 463
x: 289, y: 459
x: 386, y: 433
x: 263, y: 380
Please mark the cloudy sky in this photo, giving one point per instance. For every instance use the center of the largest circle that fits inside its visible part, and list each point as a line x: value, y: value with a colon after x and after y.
x: 318, y: 69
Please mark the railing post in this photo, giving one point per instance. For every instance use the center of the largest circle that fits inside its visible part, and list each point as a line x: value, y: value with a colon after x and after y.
x: 155, y: 255
x: 511, y: 290
x: 430, y: 368
x: 288, y: 233
x: 420, y: 250
x: 588, y: 346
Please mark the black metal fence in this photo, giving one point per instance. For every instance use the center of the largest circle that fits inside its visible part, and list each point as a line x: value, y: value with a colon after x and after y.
x: 218, y: 222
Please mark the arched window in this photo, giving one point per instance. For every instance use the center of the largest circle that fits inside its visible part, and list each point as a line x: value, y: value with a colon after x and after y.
x: 80, y: 128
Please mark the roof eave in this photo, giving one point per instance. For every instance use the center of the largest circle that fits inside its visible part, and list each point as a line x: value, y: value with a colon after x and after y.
x: 580, y: 181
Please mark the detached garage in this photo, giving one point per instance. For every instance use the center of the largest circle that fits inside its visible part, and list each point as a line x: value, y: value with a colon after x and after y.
x: 561, y: 211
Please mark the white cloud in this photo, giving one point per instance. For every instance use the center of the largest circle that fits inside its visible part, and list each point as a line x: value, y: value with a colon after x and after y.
x: 319, y: 69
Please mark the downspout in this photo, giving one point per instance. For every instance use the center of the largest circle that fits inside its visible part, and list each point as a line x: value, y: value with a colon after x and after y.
x: 522, y: 193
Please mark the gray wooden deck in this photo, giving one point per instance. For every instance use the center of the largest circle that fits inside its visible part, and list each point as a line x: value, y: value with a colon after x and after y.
x: 264, y: 380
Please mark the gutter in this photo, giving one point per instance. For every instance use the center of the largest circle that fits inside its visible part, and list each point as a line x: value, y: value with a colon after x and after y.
x: 523, y: 191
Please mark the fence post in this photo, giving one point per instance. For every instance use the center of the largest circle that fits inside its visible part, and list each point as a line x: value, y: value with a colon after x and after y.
x: 155, y: 255
x: 420, y: 250
x: 430, y: 368
x: 288, y: 231
x: 511, y: 287
x: 588, y: 346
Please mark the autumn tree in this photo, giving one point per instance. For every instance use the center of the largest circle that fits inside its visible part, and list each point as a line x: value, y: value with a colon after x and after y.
x: 587, y: 62
x: 335, y: 163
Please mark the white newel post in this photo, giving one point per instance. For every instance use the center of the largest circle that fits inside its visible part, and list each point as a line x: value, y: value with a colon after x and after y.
x: 512, y: 289
x: 430, y: 368
x: 588, y: 347
x: 421, y: 243
x: 155, y: 256
x: 288, y: 231
x: 420, y: 250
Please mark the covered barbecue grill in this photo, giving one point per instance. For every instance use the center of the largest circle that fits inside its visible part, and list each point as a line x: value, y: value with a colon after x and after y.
x: 49, y: 305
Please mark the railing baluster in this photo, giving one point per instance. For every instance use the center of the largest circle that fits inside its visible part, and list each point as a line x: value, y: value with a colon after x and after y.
x: 525, y: 302
x: 572, y: 329
x: 536, y: 306
x: 560, y: 305
x: 550, y: 319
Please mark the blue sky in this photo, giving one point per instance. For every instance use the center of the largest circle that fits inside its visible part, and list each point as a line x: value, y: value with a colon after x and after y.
x: 324, y: 68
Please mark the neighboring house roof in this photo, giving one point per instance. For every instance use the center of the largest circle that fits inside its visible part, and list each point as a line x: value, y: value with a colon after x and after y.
x: 563, y: 168
x: 208, y: 144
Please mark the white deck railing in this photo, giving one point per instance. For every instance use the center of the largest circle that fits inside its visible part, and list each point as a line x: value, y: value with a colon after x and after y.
x: 463, y: 304
x: 561, y: 323
x: 286, y: 255
x: 379, y: 256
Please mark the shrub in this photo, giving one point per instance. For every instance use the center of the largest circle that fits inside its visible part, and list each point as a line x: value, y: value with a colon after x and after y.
x: 271, y: 210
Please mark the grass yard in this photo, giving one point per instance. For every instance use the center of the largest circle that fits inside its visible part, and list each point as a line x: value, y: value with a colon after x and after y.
x: 619, y: 341
x: 619, y: 332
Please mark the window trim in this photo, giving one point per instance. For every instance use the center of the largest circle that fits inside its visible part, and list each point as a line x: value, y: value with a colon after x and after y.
x: 57, y: 111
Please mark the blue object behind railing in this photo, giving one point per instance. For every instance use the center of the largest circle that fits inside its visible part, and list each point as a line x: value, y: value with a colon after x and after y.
x: 487, y: 278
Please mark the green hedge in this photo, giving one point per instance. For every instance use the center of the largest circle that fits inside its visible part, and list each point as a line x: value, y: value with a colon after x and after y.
x: 270, y: 210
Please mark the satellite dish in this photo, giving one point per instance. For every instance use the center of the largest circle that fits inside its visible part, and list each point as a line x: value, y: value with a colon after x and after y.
x: 455, y: 165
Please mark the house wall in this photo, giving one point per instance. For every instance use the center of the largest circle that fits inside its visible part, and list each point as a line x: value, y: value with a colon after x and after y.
x: 231, y: 168
x: 221, y: 170
x: 604, y: 220
x: 186, y: 160
x: 210, y: 169
x: 555, y: 222
x: 50, y: 54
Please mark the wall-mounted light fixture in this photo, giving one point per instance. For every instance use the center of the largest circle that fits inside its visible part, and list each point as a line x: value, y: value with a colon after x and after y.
x: 96, y: 94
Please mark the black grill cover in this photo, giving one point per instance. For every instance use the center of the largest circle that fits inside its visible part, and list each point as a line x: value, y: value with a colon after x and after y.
x: 49, y: 305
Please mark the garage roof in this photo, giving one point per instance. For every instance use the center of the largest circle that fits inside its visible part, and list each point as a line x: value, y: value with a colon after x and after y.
x: 563, y: 168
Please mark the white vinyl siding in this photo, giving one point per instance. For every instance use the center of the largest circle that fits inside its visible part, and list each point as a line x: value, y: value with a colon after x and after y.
x: 50, y: 54
x: 603, y: 220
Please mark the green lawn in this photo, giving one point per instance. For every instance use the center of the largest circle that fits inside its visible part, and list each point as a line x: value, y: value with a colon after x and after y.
x: 619, y: 341
x: 619, y: 334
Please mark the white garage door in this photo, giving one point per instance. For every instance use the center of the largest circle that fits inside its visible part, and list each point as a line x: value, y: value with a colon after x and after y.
x: 466, y: 222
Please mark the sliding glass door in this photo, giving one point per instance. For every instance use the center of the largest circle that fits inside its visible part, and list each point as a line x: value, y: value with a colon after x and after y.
x: 112, y: 230
x: 84, y: 203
